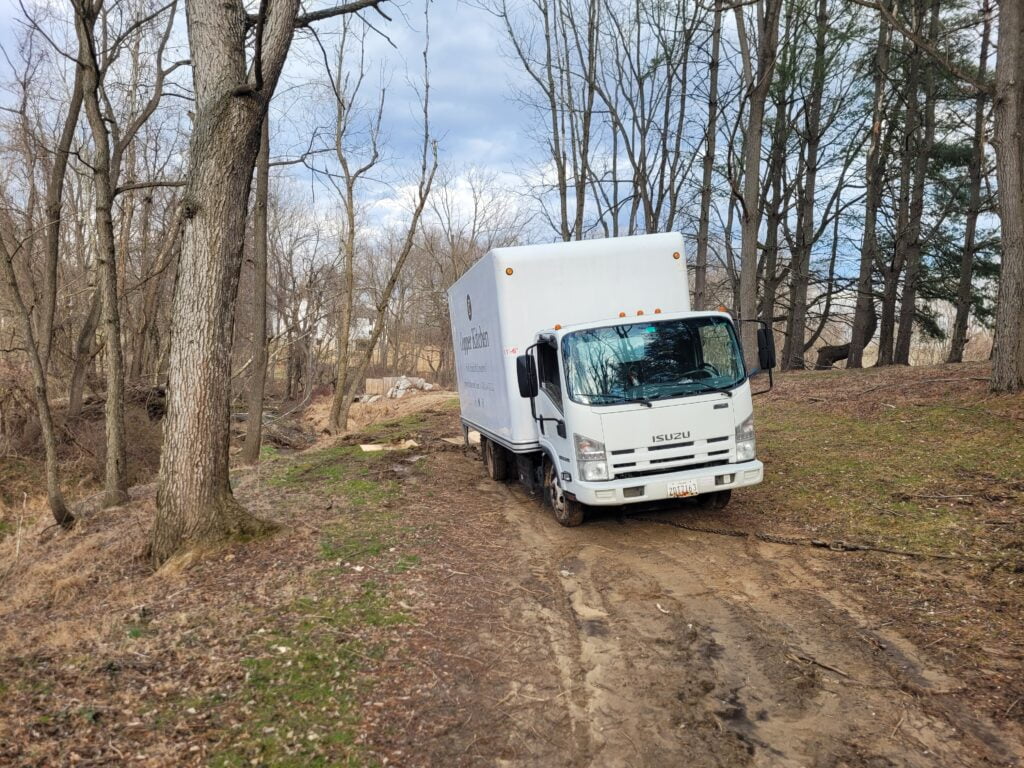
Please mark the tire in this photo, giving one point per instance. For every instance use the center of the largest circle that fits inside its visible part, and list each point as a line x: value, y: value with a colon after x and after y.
x: 568, y: 512
x: 495, y: 460
x: 719, y: 499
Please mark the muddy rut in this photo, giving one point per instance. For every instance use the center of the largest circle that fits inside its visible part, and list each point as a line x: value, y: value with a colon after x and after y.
x: 632, y: 643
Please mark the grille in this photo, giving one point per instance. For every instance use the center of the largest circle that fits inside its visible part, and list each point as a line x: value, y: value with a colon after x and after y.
x: 662, y: 459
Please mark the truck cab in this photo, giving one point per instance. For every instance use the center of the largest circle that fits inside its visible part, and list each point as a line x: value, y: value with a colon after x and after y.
x: 644, y: 409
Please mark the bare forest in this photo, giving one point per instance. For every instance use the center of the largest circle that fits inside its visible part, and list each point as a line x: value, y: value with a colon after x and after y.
x: 220, y: 220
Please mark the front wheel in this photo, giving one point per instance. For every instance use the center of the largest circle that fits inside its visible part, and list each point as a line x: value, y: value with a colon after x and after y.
x: 568, y: 512
x: 718, y: 499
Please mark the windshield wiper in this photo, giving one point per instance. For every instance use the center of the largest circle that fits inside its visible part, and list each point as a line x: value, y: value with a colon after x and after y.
x: 710, y: 388
x: 617, y: 398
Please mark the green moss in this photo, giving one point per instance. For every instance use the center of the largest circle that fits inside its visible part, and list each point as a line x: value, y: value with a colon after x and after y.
x: 302, y: 693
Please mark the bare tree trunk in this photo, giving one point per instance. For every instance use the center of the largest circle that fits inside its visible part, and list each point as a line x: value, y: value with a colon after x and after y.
x: 83, y: 356
x: 974, y: 174
x: 426, y: 181
x: 757, y: 87
x: 257, y: 388
x: 793, y: 354
x: 54, y: 210
x: 700, y: 266
x: 864, y: 313
x: 1008, y: 355
x: 58, y: 508
x: 908, y: 299
x: 115, y: 489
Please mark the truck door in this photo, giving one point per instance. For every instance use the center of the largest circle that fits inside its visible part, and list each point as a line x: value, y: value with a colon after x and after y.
x: 550, y: 406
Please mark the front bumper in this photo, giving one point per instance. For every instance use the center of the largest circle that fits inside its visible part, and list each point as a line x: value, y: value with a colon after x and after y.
x: 655, y: 487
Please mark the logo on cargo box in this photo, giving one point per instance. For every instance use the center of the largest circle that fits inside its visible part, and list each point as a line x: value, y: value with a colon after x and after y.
x: 469, y: 307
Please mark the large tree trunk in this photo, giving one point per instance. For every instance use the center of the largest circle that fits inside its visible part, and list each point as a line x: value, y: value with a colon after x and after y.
x: 1008, y: 355
x: 115, y: 489
x: 700, y: 265
x: 864, y: 312
x: 254, y: 426
x: 974, y: 173
x: 195, y: 505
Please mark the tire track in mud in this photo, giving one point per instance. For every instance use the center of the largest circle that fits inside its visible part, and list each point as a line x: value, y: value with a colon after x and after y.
x: 688, y: 649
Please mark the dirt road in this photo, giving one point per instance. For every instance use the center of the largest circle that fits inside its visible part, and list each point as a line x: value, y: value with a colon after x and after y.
x: 632, y: 643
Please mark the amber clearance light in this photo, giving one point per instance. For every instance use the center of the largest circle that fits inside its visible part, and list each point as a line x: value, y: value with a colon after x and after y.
x: 508, y: 271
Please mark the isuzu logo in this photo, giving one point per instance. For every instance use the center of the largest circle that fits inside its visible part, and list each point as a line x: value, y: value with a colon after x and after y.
x: 669, y: 437
x: 469, y: 307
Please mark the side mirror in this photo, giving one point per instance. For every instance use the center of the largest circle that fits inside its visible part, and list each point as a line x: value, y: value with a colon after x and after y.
x: 526, y: 372
x: 765, y: 348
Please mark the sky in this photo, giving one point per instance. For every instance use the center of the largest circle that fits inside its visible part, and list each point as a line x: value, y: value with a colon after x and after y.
x: 472, y: 110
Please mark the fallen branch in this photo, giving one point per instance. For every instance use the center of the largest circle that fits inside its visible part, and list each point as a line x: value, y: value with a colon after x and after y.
x: 798, y: 657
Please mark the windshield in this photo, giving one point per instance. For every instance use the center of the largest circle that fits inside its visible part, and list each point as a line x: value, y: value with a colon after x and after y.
x: 640, y: 362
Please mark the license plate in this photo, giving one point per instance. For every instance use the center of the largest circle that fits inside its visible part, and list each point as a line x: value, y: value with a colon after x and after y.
x: 682, y: 489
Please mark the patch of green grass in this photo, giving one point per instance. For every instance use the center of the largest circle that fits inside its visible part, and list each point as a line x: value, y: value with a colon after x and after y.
x: 341, y: 469
x: 302, y: 694
x: 6, y: 528
x: 268, y: 452
x: 882, y: 477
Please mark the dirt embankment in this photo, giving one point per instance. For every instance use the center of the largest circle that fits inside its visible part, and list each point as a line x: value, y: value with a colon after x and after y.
x: 412, y: 612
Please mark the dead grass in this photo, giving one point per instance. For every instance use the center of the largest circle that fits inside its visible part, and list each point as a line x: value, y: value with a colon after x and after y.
x: 100, y: 658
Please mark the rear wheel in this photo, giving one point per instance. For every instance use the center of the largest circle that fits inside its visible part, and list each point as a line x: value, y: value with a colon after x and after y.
x: 496, y: 460
x: 568, y: 512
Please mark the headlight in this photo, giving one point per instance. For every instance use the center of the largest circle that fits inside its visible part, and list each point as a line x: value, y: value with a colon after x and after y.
x: 591, y: 458
x: 746, y: 445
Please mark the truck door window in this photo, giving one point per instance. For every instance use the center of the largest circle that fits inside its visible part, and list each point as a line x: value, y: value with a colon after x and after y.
x: 719, y: 349
x: 547, y: 372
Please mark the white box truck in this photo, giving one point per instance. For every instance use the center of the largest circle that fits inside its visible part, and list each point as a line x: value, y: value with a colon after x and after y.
x: 588, y: 377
